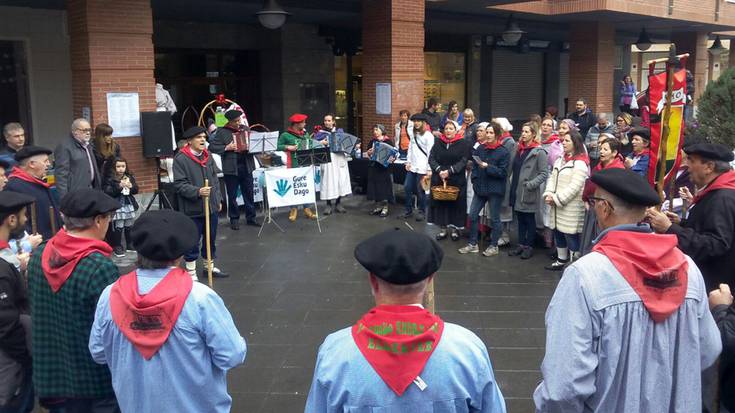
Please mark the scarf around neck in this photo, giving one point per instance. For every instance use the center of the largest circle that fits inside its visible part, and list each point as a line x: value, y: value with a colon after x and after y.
x: 62, y: 254
x: 578, y: 157
x: 147, y: 320
x: 494, y: 145
x: 294, y: 132
x: 522, y: 147
x: 186, y: 150
x: 25, y: 176
x: 615, y: 163
x: 551, y: 139
x: 724, y: 181
x: 448, y: 141
x: 397, y: 341
x: 652, y: 265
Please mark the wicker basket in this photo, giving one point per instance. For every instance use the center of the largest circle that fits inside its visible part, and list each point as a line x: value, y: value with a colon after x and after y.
x: 444, y: 192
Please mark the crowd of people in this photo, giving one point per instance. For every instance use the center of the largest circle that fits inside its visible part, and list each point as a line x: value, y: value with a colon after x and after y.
x: 631, y: 326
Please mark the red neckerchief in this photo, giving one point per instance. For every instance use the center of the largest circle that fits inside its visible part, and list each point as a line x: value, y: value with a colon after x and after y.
x: 615, y: 163
x: 397, y: 341
x: 4, y: 245
x: 505, y: 136
x: 186, y: 150
x: 25, y: 176
x: 450, y: 141
x: 494, y: 145
x: 578, y: 157
x: 62, y: 254
x: 296, y: 133
x: 289, y: 154
x: 724, y: 181
x: 652, y: 265
x: 523, y: 147
x: 643, y: 152
x: 147, y: 320
x: 551, y: 139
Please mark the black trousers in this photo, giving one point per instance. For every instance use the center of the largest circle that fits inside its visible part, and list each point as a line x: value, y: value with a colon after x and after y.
x: 244, y: 181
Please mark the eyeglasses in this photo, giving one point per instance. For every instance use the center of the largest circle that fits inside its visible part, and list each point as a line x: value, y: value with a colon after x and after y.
x: 85, y: 130
x: 593, y: 200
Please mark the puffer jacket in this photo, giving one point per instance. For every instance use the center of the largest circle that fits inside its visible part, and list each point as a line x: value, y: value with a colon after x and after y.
x: 565, y: 185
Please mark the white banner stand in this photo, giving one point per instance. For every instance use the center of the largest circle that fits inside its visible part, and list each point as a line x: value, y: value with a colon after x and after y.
x: 289, y: 187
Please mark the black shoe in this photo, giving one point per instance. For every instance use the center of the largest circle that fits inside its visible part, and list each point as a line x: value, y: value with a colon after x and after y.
x: 376, y: 211
x: 441, y: 235
x: 235, y: 225
x: 420, y: 217
x: 527, y: 253
x: 253, y: 223
x: 557, y: 265
x: 215, y: 274
x: 516, y: 251
x: 327, y: 211
x: 455, y: 235
x: 119, y: 252
x: 405, y: 215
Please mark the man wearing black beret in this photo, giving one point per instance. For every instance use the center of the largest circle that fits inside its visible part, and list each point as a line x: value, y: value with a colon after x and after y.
x: 628, y: 328
x: 637, y: 161
x: 66, y: 275
x: 192, y: 165
x: 231, y: 142
x: 399, y: 356
x: 156, y: 319
x: 707, y: 234
x: 16, y: 388
x: 28, y: 178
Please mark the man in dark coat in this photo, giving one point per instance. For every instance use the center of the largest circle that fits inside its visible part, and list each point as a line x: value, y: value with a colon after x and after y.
x: 433, y: 118
x: 237, y: 166
x: 583, y: 117
x: 16, y: 388
x: 27, y: 178
x: 15, y: 138
x: 192, y: 166
x: 723, y: 310
x: 75, y: 166
x: 708, y: 233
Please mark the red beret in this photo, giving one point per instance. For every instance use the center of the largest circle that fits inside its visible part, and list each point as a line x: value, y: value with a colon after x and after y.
x: 297, y: 117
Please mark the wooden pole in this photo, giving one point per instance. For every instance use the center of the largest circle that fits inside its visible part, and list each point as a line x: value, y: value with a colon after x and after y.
x: 52, y: 220
x: 207, y: 236
x: 430, y: 304
x: 34, y: 221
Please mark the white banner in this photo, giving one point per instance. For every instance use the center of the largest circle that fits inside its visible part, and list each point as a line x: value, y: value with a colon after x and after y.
x: 317, y: 178
x: 287, y: 187
x: 257, y: 188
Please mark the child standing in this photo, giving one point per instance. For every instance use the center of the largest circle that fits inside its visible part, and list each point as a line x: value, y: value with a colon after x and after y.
x: 120, y: 184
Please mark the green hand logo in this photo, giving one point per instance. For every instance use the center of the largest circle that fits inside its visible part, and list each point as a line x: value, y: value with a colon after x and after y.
x: 282, y: 187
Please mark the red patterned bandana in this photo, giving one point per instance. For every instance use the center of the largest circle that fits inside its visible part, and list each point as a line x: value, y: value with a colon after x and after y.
x: 189, y: 153
x: 397, y: 341
x: 62, y: 254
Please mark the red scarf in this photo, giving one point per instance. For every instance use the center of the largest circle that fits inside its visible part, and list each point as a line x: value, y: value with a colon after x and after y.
x: 289, y: 154
x: 523, y: 147
x: 25, y: 176
x: 62, y: 254
x: 642, y: 153
x: 296, y: 133
x: 724, y: 181
x: 578, y: 157
x: 186, y: 150
x: 448, y: 141
x: 397, y: 341
x: 4, y: 245
x: 551, y: 139
x: 494, y: 145
x: 615, y: 163
x: 652, y: 265
x: 147, y: 320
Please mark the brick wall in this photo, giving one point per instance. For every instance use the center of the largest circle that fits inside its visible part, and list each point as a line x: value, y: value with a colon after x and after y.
x: 393, y: 52
x: 591, y: 65
x: 112, y: 51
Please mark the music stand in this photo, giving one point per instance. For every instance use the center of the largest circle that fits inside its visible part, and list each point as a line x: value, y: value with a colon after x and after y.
x: 158, y: 193
x: 313, y: 156
x: 261, y: 142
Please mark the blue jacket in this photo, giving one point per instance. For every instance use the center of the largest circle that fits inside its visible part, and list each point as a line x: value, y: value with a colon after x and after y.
x: 45, y: 200
x: 493, y: 179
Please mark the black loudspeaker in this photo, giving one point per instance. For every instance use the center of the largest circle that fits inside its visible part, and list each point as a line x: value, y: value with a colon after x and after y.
x: 155, y: 130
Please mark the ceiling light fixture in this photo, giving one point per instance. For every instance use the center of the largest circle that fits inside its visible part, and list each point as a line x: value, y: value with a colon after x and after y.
x: 272, y: 16
x: 644, y: 42
x: 716, y: 49
x: 512, y: 33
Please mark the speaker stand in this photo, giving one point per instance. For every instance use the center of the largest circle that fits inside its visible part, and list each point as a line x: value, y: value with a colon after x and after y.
x: 163, y: 201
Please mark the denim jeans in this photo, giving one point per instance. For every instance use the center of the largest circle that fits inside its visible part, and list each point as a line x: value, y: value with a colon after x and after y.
x: 563, y: 240
x: 193, y: 254
x: 526, y: 228
x: 24, y: 401
x: 412, y: 186
x: 494, y: 202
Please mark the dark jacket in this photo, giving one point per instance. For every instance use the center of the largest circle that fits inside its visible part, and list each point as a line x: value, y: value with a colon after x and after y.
x: 708, y: 236
x: 106, y: 165
x: 44, y: 201
x: 434, y: 119
x: 230, y: 159
x: 584, y: 121
x: 189, y: 176
x: 725, y: 319
x: 7, y: 154
x: 12, y: 305
x: 71, y: 167
x: 112, y: 188
x: 493, y: 179
x: 470, y: 133
x: 451, y: 157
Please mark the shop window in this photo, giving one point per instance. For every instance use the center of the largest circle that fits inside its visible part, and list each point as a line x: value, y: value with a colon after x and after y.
x: 14, y: 95
x: 444, y: 77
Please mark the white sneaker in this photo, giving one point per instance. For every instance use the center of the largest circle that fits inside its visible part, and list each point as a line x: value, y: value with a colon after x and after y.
x: 469, y: 248
x: 490, y: 251
x: 504, y: 240
x: 191, y: 268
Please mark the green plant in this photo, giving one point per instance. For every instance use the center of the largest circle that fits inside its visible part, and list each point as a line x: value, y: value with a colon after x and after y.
x: 716, y: 110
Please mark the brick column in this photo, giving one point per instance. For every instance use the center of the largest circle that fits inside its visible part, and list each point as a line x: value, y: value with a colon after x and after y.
x: 112, y: 51
x: 591, y: 65
x: 695, y: 44
x: 393, y: 52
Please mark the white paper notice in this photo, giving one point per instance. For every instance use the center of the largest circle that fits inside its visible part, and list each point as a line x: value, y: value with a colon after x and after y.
x: 382, y: 99
x: 123, y: 114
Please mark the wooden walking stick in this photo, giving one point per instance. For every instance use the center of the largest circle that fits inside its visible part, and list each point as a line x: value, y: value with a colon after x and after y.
x: 430, y: 297
x: 34, y: 222
x: 207, y: 235
x: 52, y: 220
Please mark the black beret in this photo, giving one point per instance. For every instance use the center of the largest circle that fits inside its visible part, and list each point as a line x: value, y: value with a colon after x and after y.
x: 644, y: 133
x: 400, y: 257
x: 233, y: 114
x: 419, y: 116
x: 626, y: 185
x: 28, y: 151
x: 193, y: 131
x: 711, y: 151
x: 163, y: 235
x: 4, y: 164
x: 86, y: 203
x: 11, y: 202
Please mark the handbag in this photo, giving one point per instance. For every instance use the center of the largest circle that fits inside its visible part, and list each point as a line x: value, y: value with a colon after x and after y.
x: 634, y: 103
